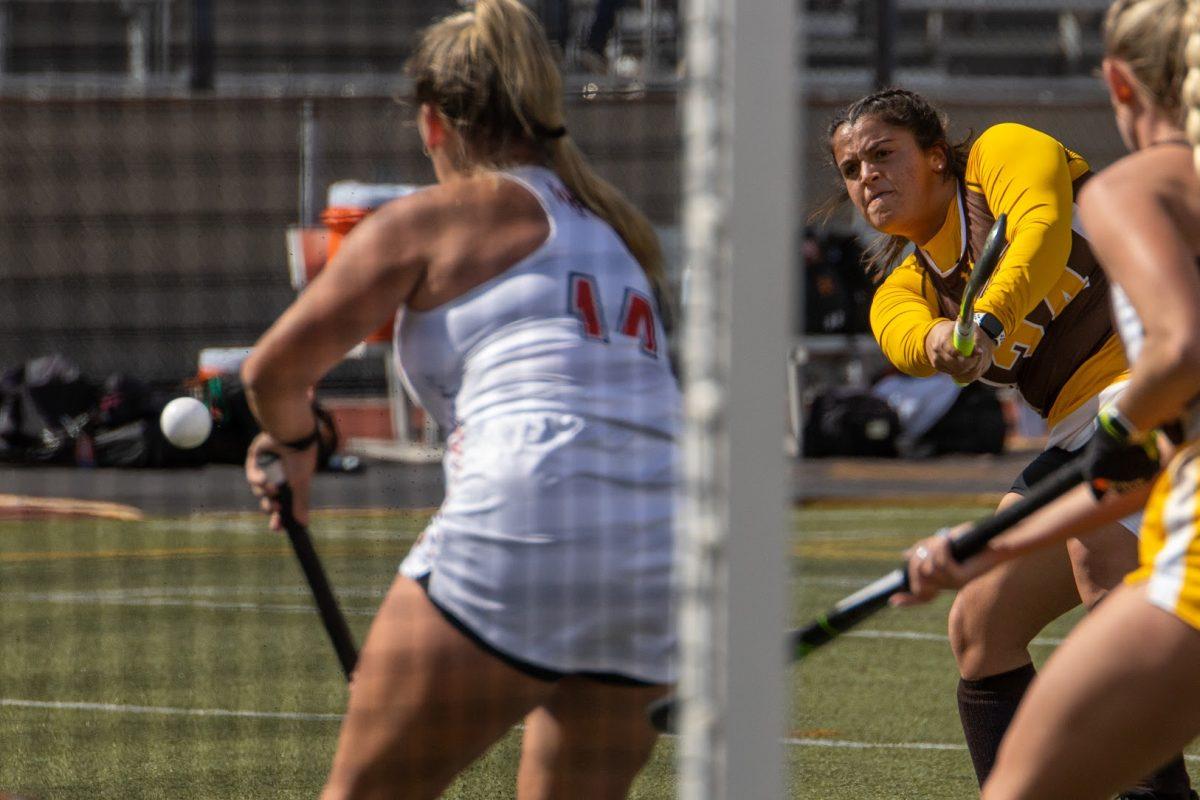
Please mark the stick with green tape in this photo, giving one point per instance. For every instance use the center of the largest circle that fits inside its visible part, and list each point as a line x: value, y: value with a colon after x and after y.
x: 866, y: 601
x: 985, y: 265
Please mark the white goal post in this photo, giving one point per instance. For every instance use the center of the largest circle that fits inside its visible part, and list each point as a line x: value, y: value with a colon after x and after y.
x: 740, y: 222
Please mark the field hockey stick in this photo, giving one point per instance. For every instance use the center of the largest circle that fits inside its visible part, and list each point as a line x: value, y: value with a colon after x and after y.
x: 327, y: 605
x: 985, y: 265
x: 866, y: 601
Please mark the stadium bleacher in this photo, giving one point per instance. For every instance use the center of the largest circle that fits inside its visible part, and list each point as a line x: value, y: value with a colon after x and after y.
x: 963, y: 37
x: 176, y: 204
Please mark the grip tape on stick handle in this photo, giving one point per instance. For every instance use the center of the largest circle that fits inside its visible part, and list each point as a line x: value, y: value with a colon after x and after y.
x: 865, y: 602
x: 310, y: 563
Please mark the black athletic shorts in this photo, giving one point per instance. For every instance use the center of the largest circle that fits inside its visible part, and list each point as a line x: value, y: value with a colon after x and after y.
x: 1040, y: 468
x: 532, y: 670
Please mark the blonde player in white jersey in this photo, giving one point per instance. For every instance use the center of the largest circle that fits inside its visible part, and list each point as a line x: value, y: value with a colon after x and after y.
x: 1122, y: 693
x: 530, y: 326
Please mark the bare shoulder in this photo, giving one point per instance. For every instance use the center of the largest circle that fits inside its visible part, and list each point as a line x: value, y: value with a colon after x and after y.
x: 490, y: 198
x: 420, y: 210
x: 474, y: 228
x: 1144, y: 175
x: 1152, y: 190
x: 427, y: 220
x: 489, y: 208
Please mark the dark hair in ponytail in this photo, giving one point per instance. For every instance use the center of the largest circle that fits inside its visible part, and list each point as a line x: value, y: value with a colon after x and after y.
x: 912, y: 112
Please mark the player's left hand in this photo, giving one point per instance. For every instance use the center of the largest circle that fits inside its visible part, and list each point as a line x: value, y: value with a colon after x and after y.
x: 298, y: 468
x: 1116, y: 462
x: 944, y: 356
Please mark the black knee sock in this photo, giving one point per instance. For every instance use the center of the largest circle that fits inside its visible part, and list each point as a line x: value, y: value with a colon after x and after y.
x: 986, y: 707
x: 1168, y: 782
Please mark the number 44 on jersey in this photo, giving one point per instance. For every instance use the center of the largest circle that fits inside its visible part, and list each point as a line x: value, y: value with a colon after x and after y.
x: 635, y: 321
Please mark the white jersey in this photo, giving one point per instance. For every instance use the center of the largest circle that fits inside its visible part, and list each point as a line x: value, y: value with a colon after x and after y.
x: 1129, y: 324
x: 572, y: 328
x: 1133, y: 337
x: 554, y: 543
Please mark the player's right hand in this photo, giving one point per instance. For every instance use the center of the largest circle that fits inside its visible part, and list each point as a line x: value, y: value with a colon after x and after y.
x: 944, y: 356
x: 298, y: 469
x: 933, y: 568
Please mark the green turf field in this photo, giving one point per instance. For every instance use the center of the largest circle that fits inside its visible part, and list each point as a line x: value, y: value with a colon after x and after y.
x: 180, y: 658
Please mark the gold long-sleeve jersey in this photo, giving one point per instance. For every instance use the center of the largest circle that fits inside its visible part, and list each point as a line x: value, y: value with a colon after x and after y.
x: 1048, y: 291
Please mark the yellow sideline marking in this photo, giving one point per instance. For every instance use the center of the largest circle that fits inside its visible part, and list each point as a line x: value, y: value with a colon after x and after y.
x: 832, y: 550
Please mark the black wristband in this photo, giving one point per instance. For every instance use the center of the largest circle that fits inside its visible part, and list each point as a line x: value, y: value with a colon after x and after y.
x: 991, y: 325
x: 305, y: 442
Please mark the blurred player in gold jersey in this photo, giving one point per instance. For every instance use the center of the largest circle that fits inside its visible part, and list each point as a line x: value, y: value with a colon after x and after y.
x: 1043, y: 326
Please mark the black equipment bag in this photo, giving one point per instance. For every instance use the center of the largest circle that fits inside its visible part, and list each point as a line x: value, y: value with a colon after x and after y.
x: 849, y: 422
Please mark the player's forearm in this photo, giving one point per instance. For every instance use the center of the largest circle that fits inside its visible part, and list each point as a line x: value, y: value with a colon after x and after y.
x: 1025, y: 174
x: 907, y: 352
x: 1163, y: 382
x: 1034, y: 264
x: 901, y: 324
x: 1074, y: 515
x: 283, y: 409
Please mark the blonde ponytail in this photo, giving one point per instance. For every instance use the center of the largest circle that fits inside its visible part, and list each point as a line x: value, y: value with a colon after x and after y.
x: 1191, y: 84
x: 606, y: 202
x: 492, y: 75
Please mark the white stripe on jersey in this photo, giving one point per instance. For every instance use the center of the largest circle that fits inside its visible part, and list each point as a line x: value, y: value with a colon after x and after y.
x: 1133, y: 336
x: 1129, y: 325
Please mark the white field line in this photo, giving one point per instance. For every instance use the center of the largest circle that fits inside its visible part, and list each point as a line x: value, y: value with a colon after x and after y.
x: 918, y: 636
x: 299, y: 716
x: 184, y: 597
x: 843, y: 744
x: 166, y: 602
x: 113, y: 708
x: 369, y: 592
x: 258, y: 527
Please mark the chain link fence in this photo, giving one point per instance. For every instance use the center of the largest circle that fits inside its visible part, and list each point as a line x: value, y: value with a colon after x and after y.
x: 155, y: 155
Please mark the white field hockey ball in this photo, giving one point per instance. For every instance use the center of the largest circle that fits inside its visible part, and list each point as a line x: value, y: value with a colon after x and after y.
x: 186, y: 422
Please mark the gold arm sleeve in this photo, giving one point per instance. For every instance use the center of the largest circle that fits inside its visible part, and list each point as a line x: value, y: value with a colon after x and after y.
x: 1025, y: 173
x: 903, y: 311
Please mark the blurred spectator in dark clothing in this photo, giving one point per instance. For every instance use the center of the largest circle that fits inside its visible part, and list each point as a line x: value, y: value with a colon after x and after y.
x: 837, y: 292
x: 592, y: 55
x: 556, y: 19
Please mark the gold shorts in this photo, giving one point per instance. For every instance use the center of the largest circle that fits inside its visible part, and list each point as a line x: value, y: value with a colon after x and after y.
x: 1169, y: 544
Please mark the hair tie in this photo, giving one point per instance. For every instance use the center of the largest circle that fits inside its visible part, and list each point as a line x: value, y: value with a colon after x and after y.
x: 542, y: 132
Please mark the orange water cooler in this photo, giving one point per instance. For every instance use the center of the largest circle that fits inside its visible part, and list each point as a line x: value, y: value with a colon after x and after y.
x: 309, y: 249
x: 349, y: 204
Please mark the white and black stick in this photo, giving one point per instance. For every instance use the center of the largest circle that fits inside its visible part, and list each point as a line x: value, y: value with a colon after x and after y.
x: 981, y: 273
x: 327, y: 605
x: 857, y: 607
